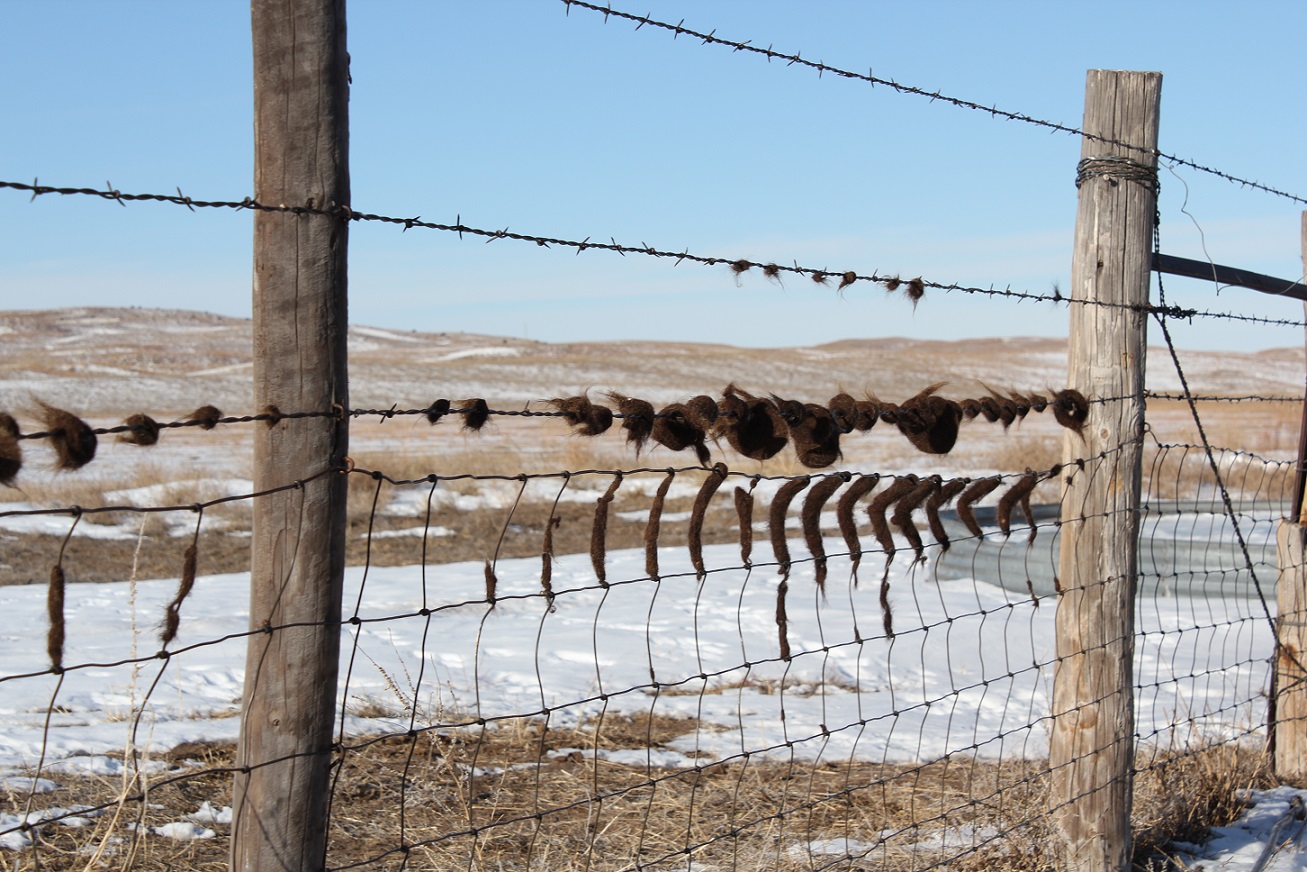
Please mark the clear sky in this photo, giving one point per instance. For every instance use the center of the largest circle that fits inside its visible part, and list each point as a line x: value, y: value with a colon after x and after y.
x: 520, y: 115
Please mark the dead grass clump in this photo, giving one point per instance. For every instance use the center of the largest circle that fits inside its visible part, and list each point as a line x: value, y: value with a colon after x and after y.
x: 534, y: 793
x: 1181, y: 794
x: 1015, y: 453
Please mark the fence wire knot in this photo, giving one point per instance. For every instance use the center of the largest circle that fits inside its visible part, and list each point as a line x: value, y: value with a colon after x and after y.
x: 1116, y: 167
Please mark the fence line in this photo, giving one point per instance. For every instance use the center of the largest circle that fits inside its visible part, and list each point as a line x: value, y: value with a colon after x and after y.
x: 617, y: 699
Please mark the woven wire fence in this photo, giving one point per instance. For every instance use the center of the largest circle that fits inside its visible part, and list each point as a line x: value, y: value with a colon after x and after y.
x: 729, y: 662
x: 734, y: 665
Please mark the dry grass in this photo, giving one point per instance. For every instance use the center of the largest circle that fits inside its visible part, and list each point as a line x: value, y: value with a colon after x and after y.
x: 532, y: 795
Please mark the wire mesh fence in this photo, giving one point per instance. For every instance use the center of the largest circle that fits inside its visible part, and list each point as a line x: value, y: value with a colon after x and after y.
x: 776, y: 651
x: 644, y: 666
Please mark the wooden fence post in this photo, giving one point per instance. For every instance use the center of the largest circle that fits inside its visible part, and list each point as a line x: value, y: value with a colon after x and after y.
x: 1091, y: 748
x: 300, y: 323
x: 1289, y: 720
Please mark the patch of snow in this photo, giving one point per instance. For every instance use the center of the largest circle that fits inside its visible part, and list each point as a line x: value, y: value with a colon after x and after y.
x: 490, y: 351
x: 377, y: 333
x: 207, y: 814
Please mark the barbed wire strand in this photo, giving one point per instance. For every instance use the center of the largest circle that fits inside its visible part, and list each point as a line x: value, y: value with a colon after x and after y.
x: 738, y: 265
x: 821, y: 68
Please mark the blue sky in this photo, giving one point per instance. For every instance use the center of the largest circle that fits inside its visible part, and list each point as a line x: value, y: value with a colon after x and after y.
x: 519, y: 115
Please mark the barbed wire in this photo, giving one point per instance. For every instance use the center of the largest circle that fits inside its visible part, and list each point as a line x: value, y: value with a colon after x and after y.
x: 1216, y: 398
x: 821, y: 67
x: 914, y: 288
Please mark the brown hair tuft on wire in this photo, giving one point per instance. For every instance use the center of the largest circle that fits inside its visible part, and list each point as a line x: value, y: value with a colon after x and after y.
x: 810, y: 516
x: 638, y: 419
x: 74, y: 440
x: 585, y: 418
x: 711, y: 482
x: 475, y: 414
x: 206, y: 416
x: 11, y: 453
x: 780, y: 506
x: 144, y: 430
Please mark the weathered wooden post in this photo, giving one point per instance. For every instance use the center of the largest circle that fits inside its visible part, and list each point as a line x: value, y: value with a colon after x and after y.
x: 1091, y: 749
x: 1289, y: 722
x: 300, y: 321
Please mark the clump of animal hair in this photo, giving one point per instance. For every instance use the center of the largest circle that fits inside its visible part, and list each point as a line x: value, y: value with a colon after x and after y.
x: 599, y: 532
x: 813, y: 430
x: 930, y: 421
x: 782, y: 619
x: 1071, y: 410
x: 711, y: 483
x: 73, y: 439
x: 820, y: 278
x: 844, y: 411
x: 947, y: 492
x: 436, y: 411
x: 916, y: 290
x: 492, y: 584
x: 810, y: 516
x: 11, y: 451
x: 906, y: 505
x: 54, y: 606
x: 271, y: 415
x: 975, y: 492
x: 868, y: 414
x: 585, y: 417
x: 744, y: 517
x: 653, y: 527
x: 144, y: 430
x: 844, y: 514
x: 773, y: 273
x: 206, y: 416
x: 637, y: 419
x: 989, y: 409
x: 892, y: 284
x: 886, y: 609
x: 702, y: 410
x: 475, y: 414
x: 172, y: 614
x: 780, y: 506
x: 1018, y: 495
x: 876, y: 510
x: 739, y: 268
x: 547, y: 560
x: 847, y: 279
x: 676, y: 428
x: 1004, y: 408
x: 753, y: 426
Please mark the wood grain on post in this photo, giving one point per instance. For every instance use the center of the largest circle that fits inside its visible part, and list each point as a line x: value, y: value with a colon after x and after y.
x: 300, y: 322
x: 1289, y: 724
x: 1091, y: 748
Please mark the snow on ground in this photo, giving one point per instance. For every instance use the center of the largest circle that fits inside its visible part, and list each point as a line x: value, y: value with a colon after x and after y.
x: 970, y: 667
x: 1267, y: 838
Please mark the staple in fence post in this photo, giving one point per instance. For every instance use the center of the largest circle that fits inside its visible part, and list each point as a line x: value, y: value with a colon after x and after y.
x: 1091, y: 747
x: 1288, y: 719
x: 280, y: 791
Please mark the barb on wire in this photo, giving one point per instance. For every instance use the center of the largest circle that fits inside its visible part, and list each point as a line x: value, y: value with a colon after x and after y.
x: 933, y: 96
